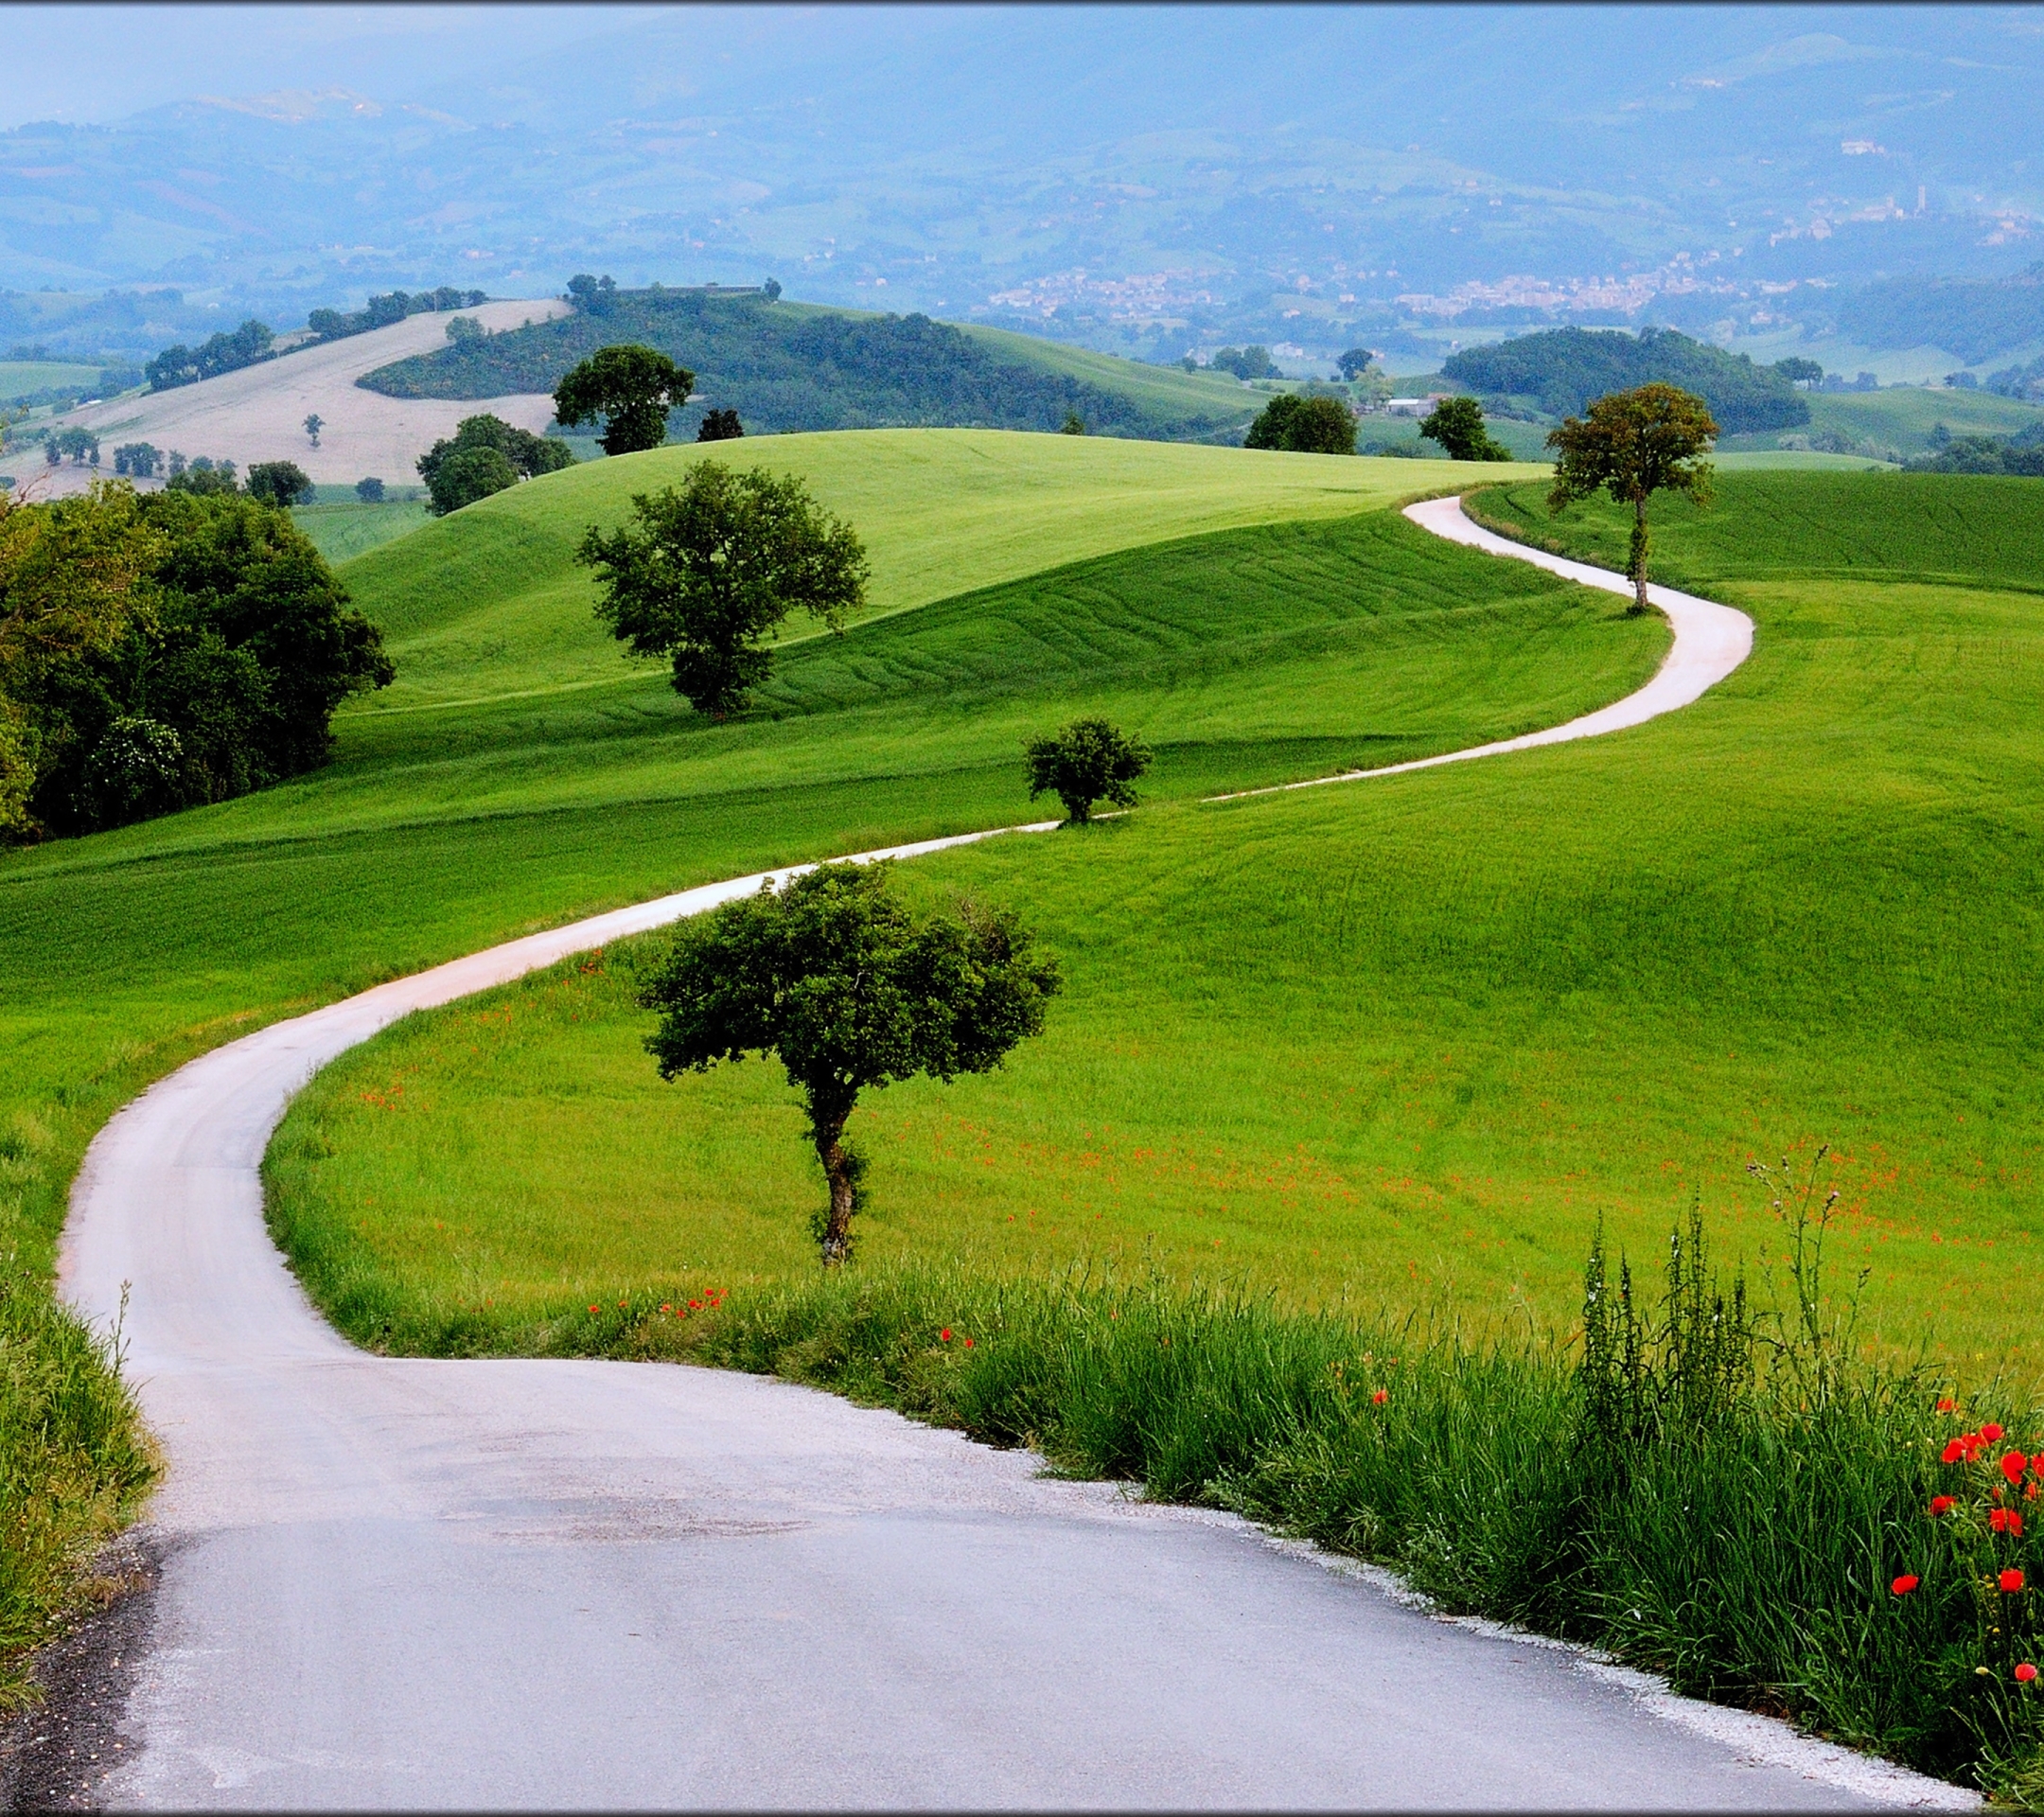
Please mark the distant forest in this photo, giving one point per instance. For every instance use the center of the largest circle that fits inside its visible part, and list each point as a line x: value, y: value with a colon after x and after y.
x: 1974, y: 318
x: 792, y: 366
x: 1564, y: 368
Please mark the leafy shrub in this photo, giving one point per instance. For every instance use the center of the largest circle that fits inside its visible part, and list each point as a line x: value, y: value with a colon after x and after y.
x: 369, y: 491
x: 1304, y: 426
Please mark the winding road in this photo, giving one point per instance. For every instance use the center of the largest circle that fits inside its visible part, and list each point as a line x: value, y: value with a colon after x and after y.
x: 393, y: 1583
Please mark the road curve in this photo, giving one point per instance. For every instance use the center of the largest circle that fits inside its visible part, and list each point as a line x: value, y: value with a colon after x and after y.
x: 390, y: 1583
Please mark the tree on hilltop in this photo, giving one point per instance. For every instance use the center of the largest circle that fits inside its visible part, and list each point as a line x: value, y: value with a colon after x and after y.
x: 1632, y: 444
x: 484, y: 455
x: 1303, y: 425
x: 836, y: 977
x: 720, y: 426
x: 631, y: 388
x: 705, y: 571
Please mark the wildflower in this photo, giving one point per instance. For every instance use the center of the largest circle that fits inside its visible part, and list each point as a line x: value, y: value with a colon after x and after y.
x: 665, y: 1308
x: 2013, y: 1465
x: 593, y: 1309
x: 2010, y: 1581
x: 2006, y: 1519
x: 1990, y: 1432
x: 1940, y: 1503
x: 2026, y: 1673
x: 944, y: 1336
x: 1953, y: 1452
x: 1378, y: 1398
x: 1905, y: 1584
x: 1946, y: 1404
x: 968, y: 1343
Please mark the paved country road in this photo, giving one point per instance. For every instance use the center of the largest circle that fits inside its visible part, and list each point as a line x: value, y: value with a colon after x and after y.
x: 396, y: 1582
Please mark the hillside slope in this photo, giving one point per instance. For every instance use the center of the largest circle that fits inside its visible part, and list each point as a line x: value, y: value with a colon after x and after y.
x: 257, y: 414
x: 787, y: 366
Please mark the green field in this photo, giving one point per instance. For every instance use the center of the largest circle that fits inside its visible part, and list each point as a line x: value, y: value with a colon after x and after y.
x: 439, y: 829
x: 1382, y: 1041
x: 20, y: 377
x: 1901, y: 417
x: 342, y: 528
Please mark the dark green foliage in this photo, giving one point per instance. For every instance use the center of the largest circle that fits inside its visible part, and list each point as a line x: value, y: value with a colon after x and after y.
x: 313, y: 424
x: 369, y: 491
x: 182, y: 366
x: 394, y: 305
x: 705, y: 571
x: 1800, y: 372
x: 1073, y: 423
x: 1563, y: 369
x: 204, y: 477
x: 138, y: 460
x: 279, y: 483
x: 2021, y: 455
x: 796, y: 369
x: 81, y: 445
x: 217, y: 673
x: 1086, y: 762
x: 1355, y: 362
x: 1244, y: 363
x: 632, y: 388
x: 1458, y: 425
x: 486, y: 454
x: 1303, y: 425
x: 720, y: 426
x: 1974, y: 318
x: 2025, y: 383
x: 836, y: 976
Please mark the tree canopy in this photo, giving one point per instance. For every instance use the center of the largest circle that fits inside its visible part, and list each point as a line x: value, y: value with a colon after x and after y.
x: 486, y: 454
x: 164, y: 650
x: 720, y: 426
x: 1088, y: 761
x: 1458, y: 425
x: 836, y: 976
x: 1303, y: 424
x: 702, y: 572
x: 279, y: 483
x: 219, y: 353
x: 632, y: 388
x: 1632, y: 444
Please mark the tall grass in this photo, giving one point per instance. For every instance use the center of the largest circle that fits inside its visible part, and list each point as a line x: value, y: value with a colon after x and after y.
x: 73, y: 1464
x: 1721, y: 1494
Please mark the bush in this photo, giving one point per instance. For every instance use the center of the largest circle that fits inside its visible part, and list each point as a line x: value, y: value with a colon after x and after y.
x: 279, y: 483
x: 369, y: 491
x: 720, y: 426
x: 134, y: 772
x: 1304, y: 426
x: 1087, y: 761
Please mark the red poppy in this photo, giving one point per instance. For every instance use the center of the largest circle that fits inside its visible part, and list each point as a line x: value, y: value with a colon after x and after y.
x: 2013, y: 1465
x: 1954, y: 1451
x: 2010, y: 1581
x: 2026, y: 1673
x: 944, y: 1336
x: 1940, y: 1503
x: 1948, y: 1404
x: 593, y: 1309
x: 694, y: 1305
x: 1990, y: 1432
x: 1381, y: 1396
x: 2006, y: 1519
x: 968, y: 1343
x: 1905, y: 1584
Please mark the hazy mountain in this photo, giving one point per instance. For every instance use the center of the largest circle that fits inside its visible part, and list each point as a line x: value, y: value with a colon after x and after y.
x: 1137, y: 177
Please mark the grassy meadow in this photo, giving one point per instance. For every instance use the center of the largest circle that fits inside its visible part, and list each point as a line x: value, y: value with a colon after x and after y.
x: 1392, y: 1042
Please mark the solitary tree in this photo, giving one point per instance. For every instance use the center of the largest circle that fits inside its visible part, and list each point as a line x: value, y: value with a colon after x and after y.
x: 1458, y: 425
x: 720, y: 426
x: 279, y: 483
x: 1303, y: 425
x: 1799, y: 371
x: 1355, y: 362
x: 313, y: 424
x: 1087, y: 761
x: 369, y: 491
x: 1633, y: 444
x: 456, y: 473
x: 631, y: 388
x: 1073, y: 423
x: 704, y: 570
x: 836, y: 976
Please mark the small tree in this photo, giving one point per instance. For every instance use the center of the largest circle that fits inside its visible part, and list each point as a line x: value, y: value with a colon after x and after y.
x: 720, y: 426
x: 835, y: 976
x: 1633, y: 444
x: 1355, y: 362
x: 1458, y: 425
x: 454, y: 479
x: 369, y: 491
x: 313, y: 424
x: 704, y: 570
x: 465, y: 474
x: 1303, y: 425
x: 279, y: 483
x: 1088, y: 761
x: 631, y: 388
x: 1073, y: 423
x: 1798, y: 371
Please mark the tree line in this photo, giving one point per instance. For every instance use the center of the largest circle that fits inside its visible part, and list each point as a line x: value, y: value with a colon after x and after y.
x: 161, y: 650
x: 391, y: 307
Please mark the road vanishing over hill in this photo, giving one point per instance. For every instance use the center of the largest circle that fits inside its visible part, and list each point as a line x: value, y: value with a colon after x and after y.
x: 396, y: 1582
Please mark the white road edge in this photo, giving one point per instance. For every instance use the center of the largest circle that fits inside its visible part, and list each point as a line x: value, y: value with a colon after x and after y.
x: 390, y: 1582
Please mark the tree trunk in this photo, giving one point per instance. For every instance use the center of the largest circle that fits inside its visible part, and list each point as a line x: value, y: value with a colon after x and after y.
x: 1637, y: 562
x: 829, y: 1131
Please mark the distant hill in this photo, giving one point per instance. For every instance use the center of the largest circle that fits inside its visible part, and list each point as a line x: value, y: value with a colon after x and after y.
x: 1564, y: 368
x: 788, y: 366
x: 1974, y: 318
